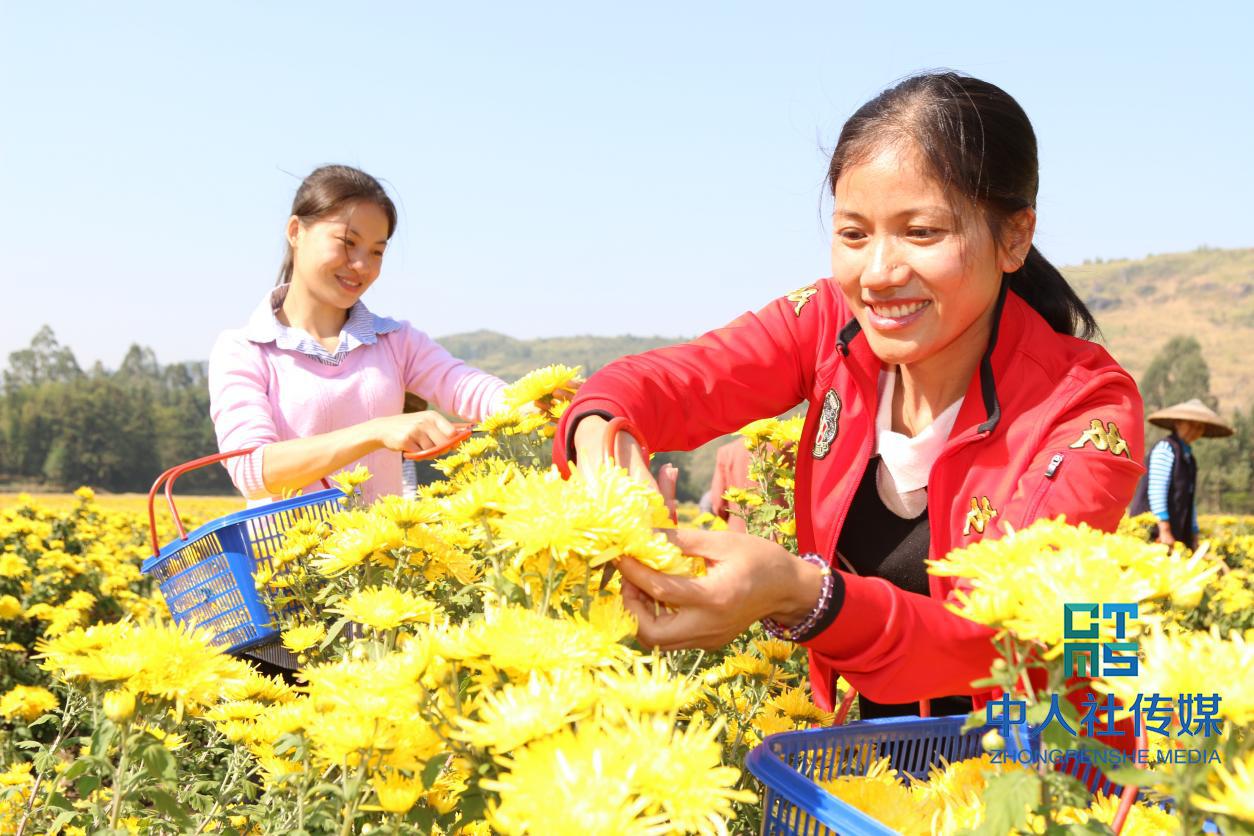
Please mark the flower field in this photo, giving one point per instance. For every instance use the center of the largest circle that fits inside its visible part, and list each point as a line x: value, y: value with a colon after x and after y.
x: 466, y: 666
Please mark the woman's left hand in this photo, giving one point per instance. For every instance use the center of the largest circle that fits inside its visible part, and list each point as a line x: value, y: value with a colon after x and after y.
x: 747, y: 578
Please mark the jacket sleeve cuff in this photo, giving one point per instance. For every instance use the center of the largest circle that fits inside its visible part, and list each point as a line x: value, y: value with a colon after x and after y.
x: 564, y: 447
x: 860, y: 619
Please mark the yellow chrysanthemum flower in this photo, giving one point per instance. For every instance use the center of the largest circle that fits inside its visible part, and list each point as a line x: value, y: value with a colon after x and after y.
x: 26, y: 702
x: 775, y: 651
x: 396, y: 792
x: 882, y: 796
x: 301, y: 637
x: 518, y: 641
x: 514, y: 715
x: 1231, y: 791
x: 1188, y: 663
x: 10, y: 607
x: 542, y: 383
x: 386, y: 608
x: 349, y: 480
x: 795, y: 703
x: 1066, y: 564
x: 650, y: 687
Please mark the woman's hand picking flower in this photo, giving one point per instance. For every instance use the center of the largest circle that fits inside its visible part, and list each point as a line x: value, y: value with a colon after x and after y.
x: 747, y: 579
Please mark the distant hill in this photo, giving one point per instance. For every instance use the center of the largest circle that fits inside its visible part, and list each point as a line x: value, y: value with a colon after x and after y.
x: 1207, y: 294
x: 1139, y: 304
x: 510, y: 358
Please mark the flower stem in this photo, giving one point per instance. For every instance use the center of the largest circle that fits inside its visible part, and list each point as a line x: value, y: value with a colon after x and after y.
x: 119, y: 774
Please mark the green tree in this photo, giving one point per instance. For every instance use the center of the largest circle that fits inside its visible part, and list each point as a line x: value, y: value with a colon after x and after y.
x: 104, y: 438
x: 1225, y: 466
x: 1177, y: 373
x: 44, y: 361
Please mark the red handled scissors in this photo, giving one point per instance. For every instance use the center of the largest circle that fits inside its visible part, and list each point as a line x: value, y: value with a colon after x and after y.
x: 461, y: 432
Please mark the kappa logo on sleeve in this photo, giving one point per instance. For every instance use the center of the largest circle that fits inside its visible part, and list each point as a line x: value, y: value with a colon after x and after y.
x: 980, y: 515
x: 1105, y: 438
x: 800, y: 297
x: 829, y: 425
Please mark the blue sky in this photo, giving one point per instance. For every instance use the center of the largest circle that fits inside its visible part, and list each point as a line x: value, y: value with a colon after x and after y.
x: 561, y: 168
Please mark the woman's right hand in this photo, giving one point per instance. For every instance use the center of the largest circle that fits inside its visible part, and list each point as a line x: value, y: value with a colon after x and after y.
x: 412, y: 431
x: 590, y: 451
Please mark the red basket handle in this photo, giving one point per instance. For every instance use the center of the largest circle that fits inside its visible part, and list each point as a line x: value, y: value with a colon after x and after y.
x: 175, y: 472
x: 1129, y: 795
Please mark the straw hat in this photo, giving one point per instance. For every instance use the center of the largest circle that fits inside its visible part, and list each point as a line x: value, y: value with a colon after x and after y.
x: 1193, y: 410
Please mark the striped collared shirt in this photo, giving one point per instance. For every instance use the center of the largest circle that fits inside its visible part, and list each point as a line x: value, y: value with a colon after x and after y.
x: 361, y: 328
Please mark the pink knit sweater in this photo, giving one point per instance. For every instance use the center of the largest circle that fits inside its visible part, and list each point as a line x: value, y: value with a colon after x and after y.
x: 260, y: 393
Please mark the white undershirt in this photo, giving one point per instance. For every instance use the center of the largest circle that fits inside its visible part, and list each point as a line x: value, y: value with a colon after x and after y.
x: 905, y: 462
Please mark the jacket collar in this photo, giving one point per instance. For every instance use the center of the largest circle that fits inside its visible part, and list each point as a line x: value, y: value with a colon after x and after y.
x: 981, y: 407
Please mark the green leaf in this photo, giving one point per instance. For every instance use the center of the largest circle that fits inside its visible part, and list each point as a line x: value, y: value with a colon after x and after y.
x: 159, y: 763
x: 86, y: 785
x: 59, y: 801
x: 77, y: 768
x: 421, y: 815
x: 47, y: 718
x: 1036, y: 713
x: 64, y: 818
x: 432, y: 770
x: 1054, y: 736
x: 470, y: 807
x: 1067, y: 790
x: 333, y: 633
x: 1126, y: 774
x: 974, y: 720
x: 1007, y: 800
x: 1088, y: 828
x: 102, y: 738
x: 168, y: 805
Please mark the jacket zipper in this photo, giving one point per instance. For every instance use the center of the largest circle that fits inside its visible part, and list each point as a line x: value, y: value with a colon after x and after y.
x: 1051, y: 471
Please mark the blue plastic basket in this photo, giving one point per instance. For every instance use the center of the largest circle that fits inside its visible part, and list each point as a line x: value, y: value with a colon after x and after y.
x: 788, y: 764
x: 206, y: 576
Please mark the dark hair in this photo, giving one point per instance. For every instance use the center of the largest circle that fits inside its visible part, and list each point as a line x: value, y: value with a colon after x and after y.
x: 326, y: 189
x: 978, y: 143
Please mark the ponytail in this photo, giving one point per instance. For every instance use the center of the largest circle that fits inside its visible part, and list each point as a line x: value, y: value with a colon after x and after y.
x: 1047, y: 291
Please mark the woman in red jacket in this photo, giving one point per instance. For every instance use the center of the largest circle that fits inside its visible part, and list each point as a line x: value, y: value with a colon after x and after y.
x: 952, y: 392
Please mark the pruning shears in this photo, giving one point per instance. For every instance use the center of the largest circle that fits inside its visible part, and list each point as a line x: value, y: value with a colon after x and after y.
x: 461, y: 432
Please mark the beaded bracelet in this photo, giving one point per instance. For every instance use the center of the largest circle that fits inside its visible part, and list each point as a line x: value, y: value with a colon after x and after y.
x: 805, y: 629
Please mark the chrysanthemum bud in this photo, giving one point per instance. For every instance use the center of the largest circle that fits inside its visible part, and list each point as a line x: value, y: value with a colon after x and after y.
x: 999, y: 664
x: 119, y: 705
x: 992, y: 741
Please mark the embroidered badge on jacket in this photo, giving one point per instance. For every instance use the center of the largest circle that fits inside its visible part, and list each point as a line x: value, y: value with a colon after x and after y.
x: 829, y: 424
x: 800, y: 297
x: 981, y: 513
x: 1103, y: 438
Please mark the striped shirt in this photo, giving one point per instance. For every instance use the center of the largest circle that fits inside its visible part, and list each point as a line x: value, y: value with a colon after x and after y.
x: 1161, y: 462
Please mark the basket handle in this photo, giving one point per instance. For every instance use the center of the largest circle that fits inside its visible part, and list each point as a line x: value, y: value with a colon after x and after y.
x: 1129, y: 795
x: 175, y: 472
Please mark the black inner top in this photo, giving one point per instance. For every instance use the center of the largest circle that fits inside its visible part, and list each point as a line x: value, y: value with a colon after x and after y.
x: 880, y: 544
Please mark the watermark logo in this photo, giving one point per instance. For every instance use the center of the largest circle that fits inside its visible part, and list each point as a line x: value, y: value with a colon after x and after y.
x: 1089, y: 652
x: 1083, y: 651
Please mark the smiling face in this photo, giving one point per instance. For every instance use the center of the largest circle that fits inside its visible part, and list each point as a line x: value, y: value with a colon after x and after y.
x: 336, y: 257
x: 921, y: 274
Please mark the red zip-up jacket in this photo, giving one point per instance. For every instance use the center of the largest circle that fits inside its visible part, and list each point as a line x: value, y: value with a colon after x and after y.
x: 1050, y: 425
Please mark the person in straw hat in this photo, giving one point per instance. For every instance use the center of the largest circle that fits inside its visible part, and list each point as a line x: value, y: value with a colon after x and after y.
x: 1169, y: 486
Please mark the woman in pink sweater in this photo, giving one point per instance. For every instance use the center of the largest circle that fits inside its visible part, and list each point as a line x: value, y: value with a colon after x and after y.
x: 315, y: 381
